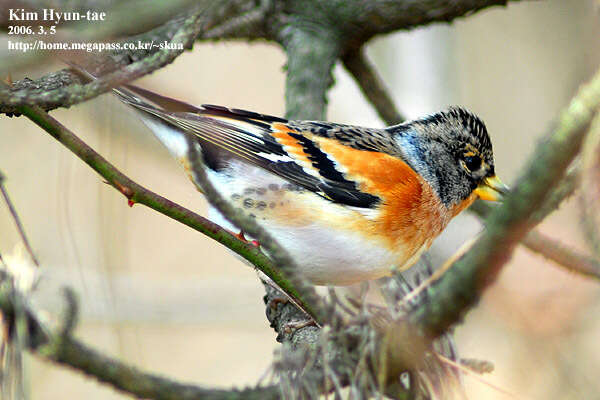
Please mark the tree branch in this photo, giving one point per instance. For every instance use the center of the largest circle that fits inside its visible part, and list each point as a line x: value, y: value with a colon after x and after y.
x: 372, y: 86
x: 51, y: 94
x: 590, y: 193
x: 63, y: 88
x: 561, y: 254
x: 249, y: 25
x: 292, y: 283
x: 456, y: 292
x: 359, y: 21
x: 312, y: 53
x: 351, y: 23
x: 60, y: 347
x: 135, y: 193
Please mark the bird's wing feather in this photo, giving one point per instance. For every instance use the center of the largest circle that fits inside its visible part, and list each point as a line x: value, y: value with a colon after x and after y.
x: 292, y: 150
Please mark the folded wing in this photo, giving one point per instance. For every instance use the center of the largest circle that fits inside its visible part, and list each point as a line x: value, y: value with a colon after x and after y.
x: 265, y: 141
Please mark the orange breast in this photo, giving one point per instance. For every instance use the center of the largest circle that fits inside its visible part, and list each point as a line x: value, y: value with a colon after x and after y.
x: 411, y: 213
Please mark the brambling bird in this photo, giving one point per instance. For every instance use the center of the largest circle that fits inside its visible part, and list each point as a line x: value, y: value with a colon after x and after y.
x: 348, y: 203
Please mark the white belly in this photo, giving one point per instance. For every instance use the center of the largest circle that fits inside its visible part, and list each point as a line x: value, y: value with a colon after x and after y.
x: 325, y: 255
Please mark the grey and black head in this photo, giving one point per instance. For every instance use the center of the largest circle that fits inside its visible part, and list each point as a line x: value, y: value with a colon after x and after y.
x: 451, y: 150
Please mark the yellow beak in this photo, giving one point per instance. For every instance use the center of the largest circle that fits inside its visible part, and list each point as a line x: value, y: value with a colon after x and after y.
x: 491, y: 189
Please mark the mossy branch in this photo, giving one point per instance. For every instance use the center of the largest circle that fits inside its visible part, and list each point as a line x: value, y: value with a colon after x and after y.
x: 459, y: 290
x: 292, y: 23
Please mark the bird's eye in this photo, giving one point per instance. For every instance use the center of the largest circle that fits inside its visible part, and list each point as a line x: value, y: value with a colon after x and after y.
x: 472, y: 163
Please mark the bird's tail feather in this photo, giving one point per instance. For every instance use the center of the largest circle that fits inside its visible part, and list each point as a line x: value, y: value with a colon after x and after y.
x: 151, y: 108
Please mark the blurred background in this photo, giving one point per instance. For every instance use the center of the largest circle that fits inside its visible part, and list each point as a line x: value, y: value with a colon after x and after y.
x: 170, y: 300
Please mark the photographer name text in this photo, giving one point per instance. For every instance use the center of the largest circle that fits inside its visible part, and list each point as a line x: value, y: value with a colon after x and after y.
x: 53, y: 16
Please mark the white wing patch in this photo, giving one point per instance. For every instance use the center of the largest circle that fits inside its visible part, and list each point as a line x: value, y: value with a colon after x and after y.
x: 275, y: 157
x: 255, y: 132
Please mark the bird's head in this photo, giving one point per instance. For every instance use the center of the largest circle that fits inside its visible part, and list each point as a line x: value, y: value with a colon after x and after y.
x: 453, y: 152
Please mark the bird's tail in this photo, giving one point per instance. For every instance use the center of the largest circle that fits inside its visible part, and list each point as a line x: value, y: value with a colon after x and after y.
x: 151, y: 109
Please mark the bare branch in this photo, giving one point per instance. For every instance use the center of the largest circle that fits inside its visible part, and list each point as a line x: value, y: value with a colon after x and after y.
x: 249, y: 25
x: 590, y: 193
x: 361, y: 21
x: 339, y: 27
x: 49, y: 95
x: 292, y: 283
x: 17, y: 220
x: 312, y: 53
x: 561, y: 254
x: 372, y: 86
x: 135, y: 193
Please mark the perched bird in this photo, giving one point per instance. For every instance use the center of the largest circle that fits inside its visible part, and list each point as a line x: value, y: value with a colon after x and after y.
x: 347, y: 203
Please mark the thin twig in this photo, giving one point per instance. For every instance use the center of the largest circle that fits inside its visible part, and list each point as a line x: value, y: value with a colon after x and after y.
x: 294, y: 284
x: 136, y: 193
x: 561, y: 254
x: 372, y: 86
x: 467, y: 370
x: 590, y: 193
x: 17, y: 220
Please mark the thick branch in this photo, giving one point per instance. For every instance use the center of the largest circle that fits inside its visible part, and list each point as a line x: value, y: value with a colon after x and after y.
x: 48, y: 97
x: 294, y: 23
x: 456, y: 292
x: 358, y: 21
x: 140, y: 384
x: 312, y: 53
